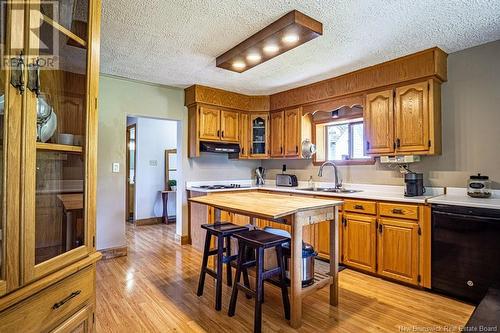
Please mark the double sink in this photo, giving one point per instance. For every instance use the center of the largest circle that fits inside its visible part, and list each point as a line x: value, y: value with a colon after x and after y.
x: 328, y: 189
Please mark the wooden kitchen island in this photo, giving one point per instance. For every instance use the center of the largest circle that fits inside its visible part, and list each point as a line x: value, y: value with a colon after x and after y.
x: 296, y: 212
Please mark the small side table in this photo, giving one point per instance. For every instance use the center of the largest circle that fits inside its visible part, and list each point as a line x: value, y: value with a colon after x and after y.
x: 164, y: 197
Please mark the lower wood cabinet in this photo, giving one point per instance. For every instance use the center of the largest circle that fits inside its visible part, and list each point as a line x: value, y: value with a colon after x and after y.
x: 54, y: 307
x: 388, y: 239
x: 322, y: 240
x: 360, y: 241
x: 81, y: 322
x: 398, y: 250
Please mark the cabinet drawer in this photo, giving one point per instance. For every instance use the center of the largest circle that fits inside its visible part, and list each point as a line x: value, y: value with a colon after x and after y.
x: 80, y: 322
x: 359, y: 206
x: 52, y: 305
x: 398, y: 210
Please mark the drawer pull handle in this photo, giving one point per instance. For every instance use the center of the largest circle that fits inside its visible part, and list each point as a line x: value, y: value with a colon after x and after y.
x: 61, y: 303
x: 359, y: 207
x: 398, y: 211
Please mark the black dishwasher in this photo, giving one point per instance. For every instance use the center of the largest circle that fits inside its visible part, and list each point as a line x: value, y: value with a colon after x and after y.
x: 465, y: 251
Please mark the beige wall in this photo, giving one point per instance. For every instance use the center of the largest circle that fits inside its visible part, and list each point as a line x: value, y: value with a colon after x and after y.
x: 119, y: 98
x: 471, y: 129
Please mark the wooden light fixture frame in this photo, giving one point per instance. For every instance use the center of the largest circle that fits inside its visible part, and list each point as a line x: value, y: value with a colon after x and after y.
x: 294, y: 22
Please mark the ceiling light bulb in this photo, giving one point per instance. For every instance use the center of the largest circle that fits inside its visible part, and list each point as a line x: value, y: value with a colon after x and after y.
x: 239, y: 65
x: 291, y: 38
x: 254, y: 57
x: 269, y: 49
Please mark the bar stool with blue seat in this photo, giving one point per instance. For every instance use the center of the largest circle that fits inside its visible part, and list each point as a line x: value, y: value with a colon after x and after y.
x: 259, y: 240
x: 223, y: 231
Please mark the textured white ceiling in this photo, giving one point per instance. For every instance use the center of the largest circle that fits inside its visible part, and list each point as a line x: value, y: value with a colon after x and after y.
x: 176, y: 42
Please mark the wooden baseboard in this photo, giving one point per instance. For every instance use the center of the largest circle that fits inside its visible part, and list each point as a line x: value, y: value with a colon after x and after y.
x: 114, y: 252
x: 149, y: 221
x: 182, y: 240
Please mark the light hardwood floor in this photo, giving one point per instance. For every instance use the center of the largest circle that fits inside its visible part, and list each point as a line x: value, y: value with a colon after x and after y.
x: 153, y: 290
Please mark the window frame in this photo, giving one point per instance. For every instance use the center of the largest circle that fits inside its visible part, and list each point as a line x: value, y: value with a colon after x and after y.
x: 351, y: 161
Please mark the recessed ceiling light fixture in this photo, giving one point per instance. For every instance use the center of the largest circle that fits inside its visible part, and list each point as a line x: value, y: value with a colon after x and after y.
x: 288, y: 32
x: 239, y: 65
x: 254, y: 57
x: 271, y: 49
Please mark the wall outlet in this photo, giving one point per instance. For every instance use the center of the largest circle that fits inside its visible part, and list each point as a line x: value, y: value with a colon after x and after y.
x: 153, y: 163
x: 116, y: 167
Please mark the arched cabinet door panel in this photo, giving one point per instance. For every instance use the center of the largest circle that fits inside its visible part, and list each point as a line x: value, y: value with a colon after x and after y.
x: 379, y: 123
x: 412, y: 117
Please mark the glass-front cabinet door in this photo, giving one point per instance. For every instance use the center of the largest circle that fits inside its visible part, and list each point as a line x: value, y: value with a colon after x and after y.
x: 56, y: 135
x: 259, y: 135
x: 11, y: 87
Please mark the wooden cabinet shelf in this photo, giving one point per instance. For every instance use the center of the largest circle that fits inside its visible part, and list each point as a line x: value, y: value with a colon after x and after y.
x: 80, y: 41
x: 58, y: 147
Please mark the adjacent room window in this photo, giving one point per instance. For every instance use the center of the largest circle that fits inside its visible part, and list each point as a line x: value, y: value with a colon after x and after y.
x: 344, y: 141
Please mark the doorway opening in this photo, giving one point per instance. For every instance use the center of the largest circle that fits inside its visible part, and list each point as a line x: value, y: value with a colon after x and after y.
x: 130, y: 170
x: 151, y: 171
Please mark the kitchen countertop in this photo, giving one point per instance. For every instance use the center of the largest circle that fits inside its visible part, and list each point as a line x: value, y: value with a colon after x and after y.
x: 457, y: 196
x: 368, y: 192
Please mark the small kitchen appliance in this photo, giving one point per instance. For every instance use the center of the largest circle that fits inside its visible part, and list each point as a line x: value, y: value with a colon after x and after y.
x: 284, y: 179
x: 308, y: 257
x: 414, y: 184
x: 479, y: 186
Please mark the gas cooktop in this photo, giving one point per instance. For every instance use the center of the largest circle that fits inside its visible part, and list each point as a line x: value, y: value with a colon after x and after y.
x: 221, y: 187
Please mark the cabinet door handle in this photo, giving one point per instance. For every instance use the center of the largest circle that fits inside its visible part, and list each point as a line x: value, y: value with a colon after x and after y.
x: 398, y: 211
x: 16, y: 73
x: 380, y: 228
x: 243, y: 151
x: 281, y: 150
x: 296, y: 149
x: 367, y: 145
x: 62, y: 302
x: 251, y: 151
x: 398, y: 143
x: 222, y: 133
x: 34, y: 77
x: 359, y: 207
x: 218, y: 133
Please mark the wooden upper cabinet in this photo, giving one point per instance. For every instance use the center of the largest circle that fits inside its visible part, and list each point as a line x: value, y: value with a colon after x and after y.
x: 292, y: 123
x: 412, y: 117
x: 244, y: 135
x: 359, y: 241
x: 229, y: 126
x: 209, y: 123
x: 398, y: 253
x: 277, y: 126
x: 379, y: 123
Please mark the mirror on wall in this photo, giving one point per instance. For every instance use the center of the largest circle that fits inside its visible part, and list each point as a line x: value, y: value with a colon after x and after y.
x: 170, y: 169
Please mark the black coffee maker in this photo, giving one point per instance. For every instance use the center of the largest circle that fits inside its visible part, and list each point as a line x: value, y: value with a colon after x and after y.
x: 414, y: 184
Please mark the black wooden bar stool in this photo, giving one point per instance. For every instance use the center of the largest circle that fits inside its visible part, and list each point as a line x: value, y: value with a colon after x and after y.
x: 259, y: 240
x: 221, y: 231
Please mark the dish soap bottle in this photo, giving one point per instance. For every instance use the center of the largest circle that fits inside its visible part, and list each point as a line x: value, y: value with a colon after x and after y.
x: 310, y: 182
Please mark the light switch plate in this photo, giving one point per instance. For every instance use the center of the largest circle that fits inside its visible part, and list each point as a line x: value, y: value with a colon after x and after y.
x: 153, y: 163
x: 116, y: 167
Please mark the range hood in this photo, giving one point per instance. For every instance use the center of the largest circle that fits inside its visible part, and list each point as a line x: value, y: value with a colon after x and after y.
x: 219, y: 147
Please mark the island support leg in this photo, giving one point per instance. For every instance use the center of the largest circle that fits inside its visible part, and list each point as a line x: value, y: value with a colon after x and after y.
x: 296, y: 275
x: 334, y: 258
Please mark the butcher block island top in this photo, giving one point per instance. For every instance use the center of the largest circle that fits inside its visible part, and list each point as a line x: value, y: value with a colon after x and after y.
x: 263, y: 205
x: 296, y: 212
